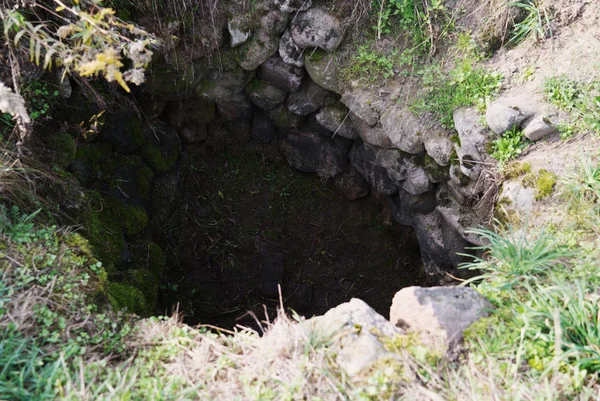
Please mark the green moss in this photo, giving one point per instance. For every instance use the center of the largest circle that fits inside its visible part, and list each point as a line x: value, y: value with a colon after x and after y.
x: 545, y: 184
x: 255, y: 84
x: 124, y: 296
x: 101, y: 229
x: 147, y: 282
x: 316, y: 55
x: 516, y: 169
x: 455, y: 139
x: 435, y: 171
x: 145, y: 175
x: 160, y: 161
x: 504, y: 215
x: 131, y: 219
x: 64, y: 149
x: 134, y: 131
x: 89, y: 161
x: 148, y: 256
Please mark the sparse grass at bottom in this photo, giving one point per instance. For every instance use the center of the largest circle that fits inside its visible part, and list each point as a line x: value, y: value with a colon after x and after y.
x: 540, y: 343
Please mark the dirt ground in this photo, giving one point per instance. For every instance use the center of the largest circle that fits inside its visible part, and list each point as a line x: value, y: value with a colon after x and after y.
x: 246, y: 224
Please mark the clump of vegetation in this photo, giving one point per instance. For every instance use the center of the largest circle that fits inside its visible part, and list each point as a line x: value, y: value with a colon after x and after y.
x: 535, y: 23
x: 465, y: 85
x: 581, y: 100
x: 370, y: 65
x: 508, y: 146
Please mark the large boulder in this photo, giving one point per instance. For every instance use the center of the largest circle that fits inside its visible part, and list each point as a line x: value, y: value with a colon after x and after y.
x: 313, y: 153
x: 403, y: 169
x: 264, y: 43
x: 403, y: 129
x: 322, y: 68
x: 359, y: 102
x: 438, y: 146
x: 281, y: 75
x: 365, y: 161
x: 316, y: 28
x: 265, y: 96
x: 289, y: 51
x: 240, y: 28
x: 283, y: 119
x: 439, y: 314
x: 336, y: 119
x: 507, y: 113
x: 307, y: 99
x: 220, y: 85
x: 473, y: 137
x: 424, y: 203
x: 236, y: 106
x: 351, y: 184
x: 358, y: 329
x: 263, y: 129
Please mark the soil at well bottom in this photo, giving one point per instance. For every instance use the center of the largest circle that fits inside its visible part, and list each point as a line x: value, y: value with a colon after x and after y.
x: 245, y: 224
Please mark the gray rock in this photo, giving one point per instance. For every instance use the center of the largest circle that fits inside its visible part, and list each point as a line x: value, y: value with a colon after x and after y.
x: 400, y: 213
x: 538, y: 128
x: 439, y: 314
x: 461, y: 186
x: 365, y: 161
x: 358, y: 328
x: 507, y: 113
x: 336, y: 119
x: 220, y: 85
x: 289, y: 51
x: 281, y: 75
x: 322, y: 68
x: 428, y: 228
x: 316, y: 28
x: 351, y: 184
x: 193, y: 133
x: 516, y: 197
x: 290, y: 6
x: 372, y: 135
x: 403, y: 129
x: 401, y: 168
x: 265, y: 42
x: 190, y: 112
x: 283, y: 119
x: 359, y: 103
x: 236, y: 106
x: 239, y: 28
x: 424, y: 203
x: 263, y: 130
x: 307, y: 99
x: 313, y: 153
x: 438, y: 146
x: 474, y: 137
x: 265, y: 96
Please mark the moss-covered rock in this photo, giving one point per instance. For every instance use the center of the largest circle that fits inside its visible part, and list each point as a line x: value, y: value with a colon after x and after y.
x: 434, y: 171
x: 147, y: 282
x: 163, y: 147
x: 63, y: 148
x: 89, y: 161
x: 123, y: 296
x: 131, y: 219
x: 102, y: 230
x: 545, y: 184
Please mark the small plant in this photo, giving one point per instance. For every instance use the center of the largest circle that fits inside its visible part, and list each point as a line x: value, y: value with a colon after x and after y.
x: 465, y: 85
x: 581, y: 100
x: 17, y: 226
x: 370, y: 65
x: 536, y: 23
x: 508, y: 146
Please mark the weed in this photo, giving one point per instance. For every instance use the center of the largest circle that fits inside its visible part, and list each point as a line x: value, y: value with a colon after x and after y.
x: 508, y: 146
x: 370, y: 65
x: 536, y: 23
x: 581, y: 100
x: 465, y: 85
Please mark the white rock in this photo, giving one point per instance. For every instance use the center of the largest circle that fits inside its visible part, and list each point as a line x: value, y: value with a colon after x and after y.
x: 439, y: 314
x: 538, y: 128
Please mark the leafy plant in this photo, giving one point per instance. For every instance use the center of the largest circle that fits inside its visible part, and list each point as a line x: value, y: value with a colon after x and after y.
x: 508, y: 146
x: 92, y: 41
x: 370, y: 65
x: 536, y: 22
x: 465, y: 85
x: 17, y: 226
x: 581, y: 100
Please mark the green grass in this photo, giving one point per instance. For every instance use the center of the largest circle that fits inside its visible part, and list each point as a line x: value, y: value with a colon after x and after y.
x: 467, y: 84
x: 536, y: 22
x: 508, y: 146
x: 581, y: 100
